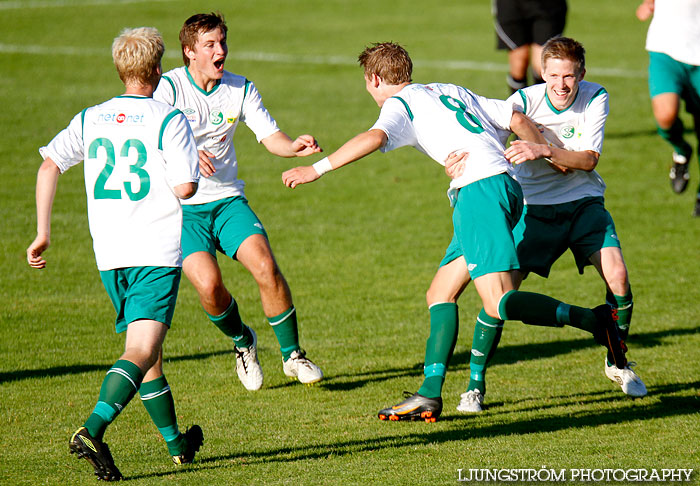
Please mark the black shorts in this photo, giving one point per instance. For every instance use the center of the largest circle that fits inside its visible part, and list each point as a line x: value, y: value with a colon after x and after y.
x: 520, y: 22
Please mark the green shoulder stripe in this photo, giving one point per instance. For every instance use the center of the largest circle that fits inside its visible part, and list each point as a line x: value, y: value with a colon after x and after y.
x: 82, y: 123
x: 172, y: 85
x: 410, y: 113
x: 166, y: 120
x: 522, y: 95
x: 597, y: 93
x: 247, y: 87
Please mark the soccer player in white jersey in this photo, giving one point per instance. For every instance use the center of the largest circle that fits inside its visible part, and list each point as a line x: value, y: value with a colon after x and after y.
x: 439, y: 119
x: 140, y: 159
x: 564, y: 205
x: 218, y: 216
x: 673, y: 42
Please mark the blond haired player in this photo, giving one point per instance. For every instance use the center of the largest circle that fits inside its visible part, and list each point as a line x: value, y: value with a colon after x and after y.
x: 140, y: 159
x: 439, y: 119
x: 563, y: 209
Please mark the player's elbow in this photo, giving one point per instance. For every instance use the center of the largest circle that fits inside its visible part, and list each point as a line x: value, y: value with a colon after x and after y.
x: 186, y: 190
x: 591, y: 162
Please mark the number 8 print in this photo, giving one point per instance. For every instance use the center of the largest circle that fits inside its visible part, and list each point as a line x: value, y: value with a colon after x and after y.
x: 466, y: 119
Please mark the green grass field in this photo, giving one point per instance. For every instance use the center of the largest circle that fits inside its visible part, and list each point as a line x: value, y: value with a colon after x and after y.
x: 359, y: 249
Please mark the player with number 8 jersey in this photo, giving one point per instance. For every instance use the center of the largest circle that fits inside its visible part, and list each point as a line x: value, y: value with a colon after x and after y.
x: 440, y: 120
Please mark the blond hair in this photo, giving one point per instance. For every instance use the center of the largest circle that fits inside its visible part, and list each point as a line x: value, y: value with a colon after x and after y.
x: 137, y: 54
x: 387, y: 60
x: 564, y: 48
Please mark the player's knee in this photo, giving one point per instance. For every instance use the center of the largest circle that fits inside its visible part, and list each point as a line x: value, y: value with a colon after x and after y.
x: 267, y: 273
x: 213, y: 293
x: 665, y: 117
x: 618, y: 280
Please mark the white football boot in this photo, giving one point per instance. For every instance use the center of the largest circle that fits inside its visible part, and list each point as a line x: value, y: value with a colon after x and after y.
x: 628, y: 380
x: 302, y: 368
x: 471, y: 402
x: 248, y: 366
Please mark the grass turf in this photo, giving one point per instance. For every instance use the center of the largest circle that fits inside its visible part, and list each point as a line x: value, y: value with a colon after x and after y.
x: 359, y: 249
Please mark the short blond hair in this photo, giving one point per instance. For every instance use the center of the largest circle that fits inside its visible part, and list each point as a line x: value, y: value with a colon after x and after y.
x: 565, y: 48
x: 137, y: 54
x: 387, y: 60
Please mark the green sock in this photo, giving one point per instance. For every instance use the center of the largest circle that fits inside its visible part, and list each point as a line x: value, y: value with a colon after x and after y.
x: 444, y: 326
x: 118, y: 388
x: 285, y: 327
x: 623, y: 305
x: 487, y: 334
x: 158, y: 400
x: 230, y: 323
x: 674, y: 136
x: 541, y: 310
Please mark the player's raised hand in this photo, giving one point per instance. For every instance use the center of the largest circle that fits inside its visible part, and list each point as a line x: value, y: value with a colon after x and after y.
x: 299, y: 175
x: 38, y: 246
x: 305, y: 145
x: 645, y: 10
x: 206, y: 166
x: 455, y: 164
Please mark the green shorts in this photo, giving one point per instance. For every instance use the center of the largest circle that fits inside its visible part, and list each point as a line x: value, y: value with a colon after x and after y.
x: 220, y: 225
x: 484, y: 216
x: 666, y: 75
x: 142, y: 293
x: 545, y: 232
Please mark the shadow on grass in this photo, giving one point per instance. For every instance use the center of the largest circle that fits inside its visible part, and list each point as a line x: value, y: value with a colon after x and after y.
x: 505, y: 355
x: 54, y: 371
x: 471, y: 427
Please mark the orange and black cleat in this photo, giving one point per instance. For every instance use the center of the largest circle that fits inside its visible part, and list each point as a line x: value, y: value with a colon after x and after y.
x: 415, y: 407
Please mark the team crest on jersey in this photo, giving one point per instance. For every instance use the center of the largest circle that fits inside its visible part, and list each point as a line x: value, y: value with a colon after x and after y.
x: 216, y: 117
x: 567, y: 131
x: 230, y: 119
x: 190, y: 114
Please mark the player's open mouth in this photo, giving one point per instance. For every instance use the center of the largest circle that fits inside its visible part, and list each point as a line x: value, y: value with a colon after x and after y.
x: 219, y: 65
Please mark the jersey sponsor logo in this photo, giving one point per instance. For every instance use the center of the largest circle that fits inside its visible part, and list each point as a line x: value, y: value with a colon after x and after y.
x: 190, y: 114
x: 567, y: 131
x: 115, y: 118
x: 216, y: 117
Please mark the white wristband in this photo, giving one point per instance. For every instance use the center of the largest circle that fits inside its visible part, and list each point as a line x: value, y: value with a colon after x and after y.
x: 322, y: 166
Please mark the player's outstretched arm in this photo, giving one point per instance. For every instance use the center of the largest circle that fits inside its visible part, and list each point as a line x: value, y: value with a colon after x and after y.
x: 46, y: 182
x: 280, y: 144
x: 354, y: 149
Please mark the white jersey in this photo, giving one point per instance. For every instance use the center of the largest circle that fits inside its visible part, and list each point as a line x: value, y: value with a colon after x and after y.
x: 135, y: 150
x: 675, y: 30
x: 439, y: 119
x: 214, y: 116
x: 579, y: 127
